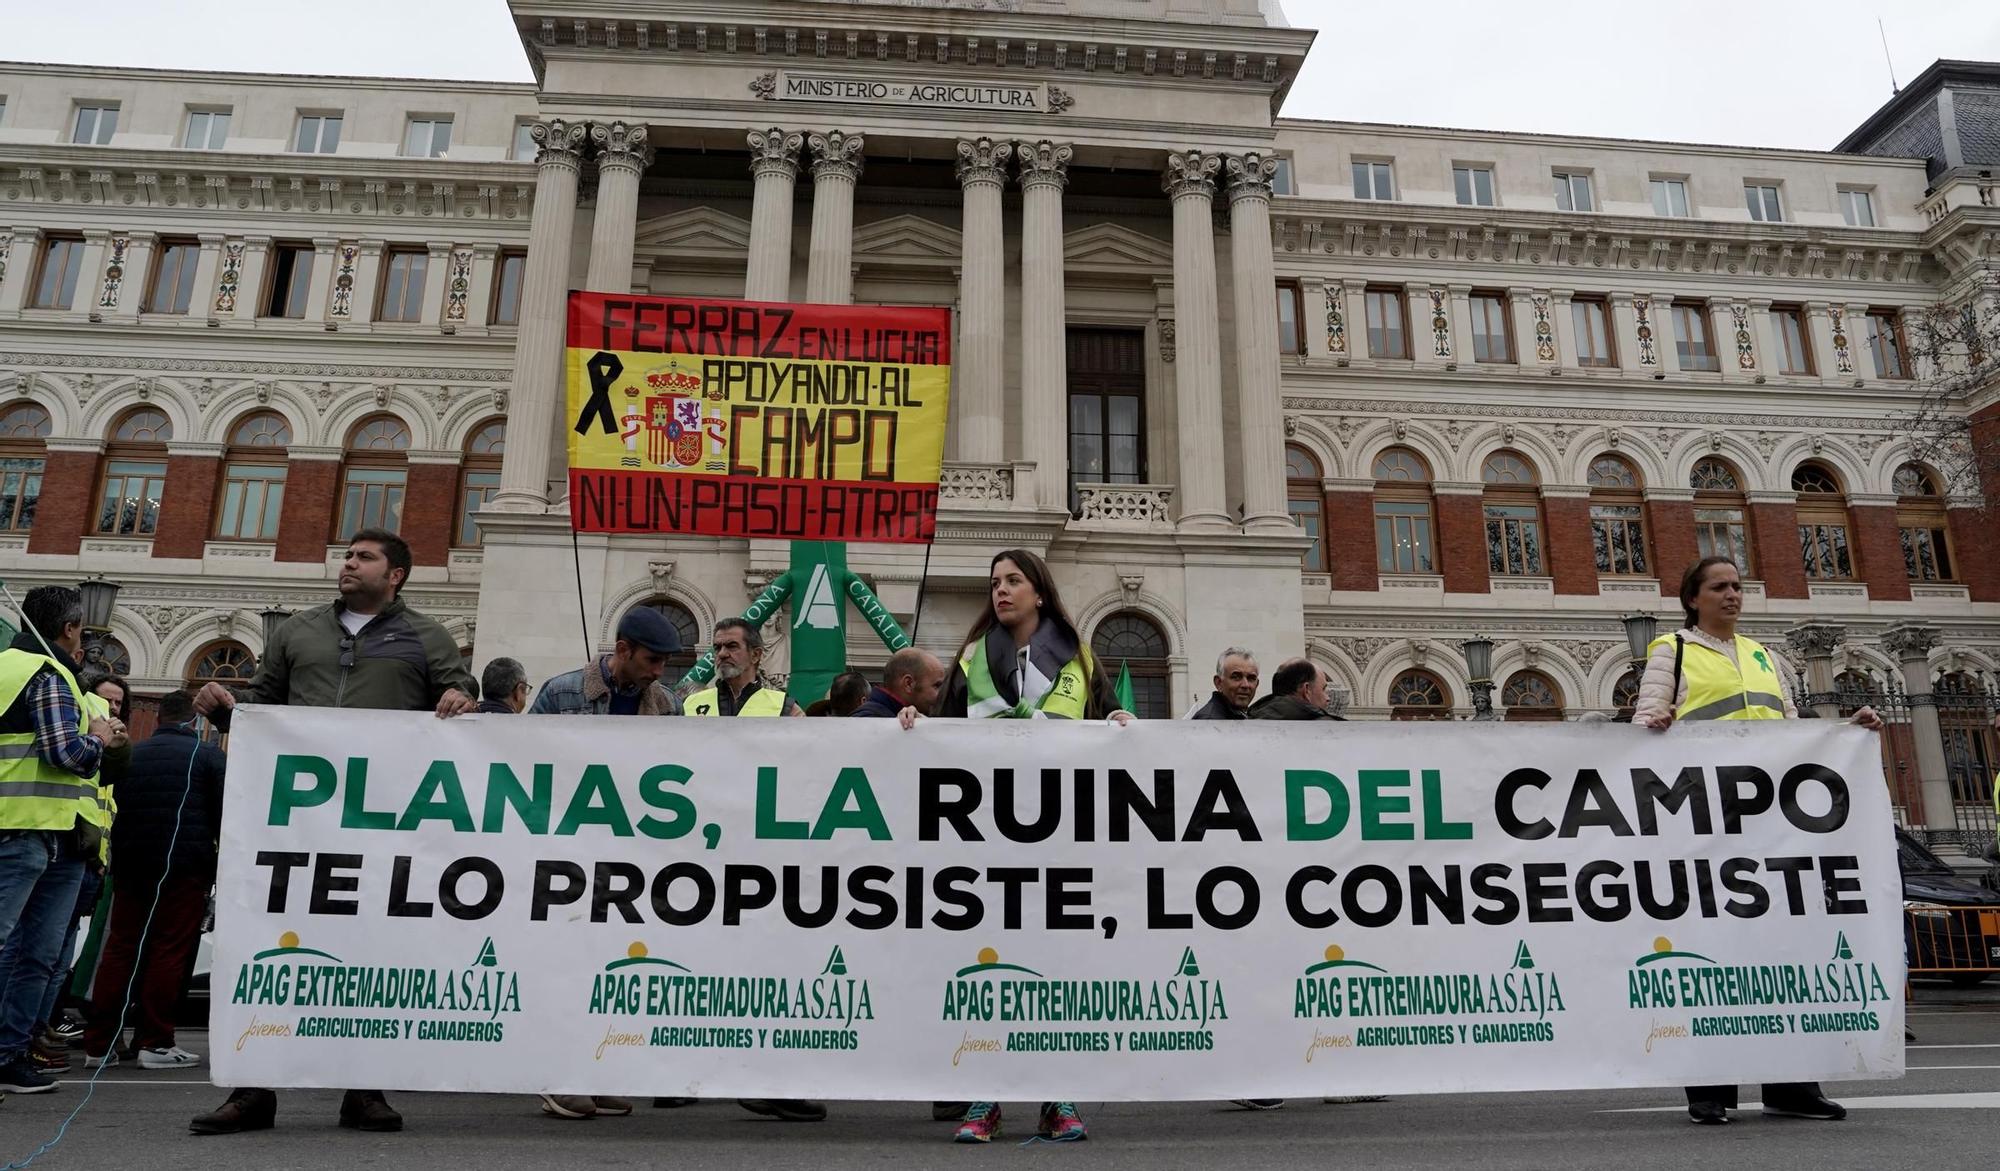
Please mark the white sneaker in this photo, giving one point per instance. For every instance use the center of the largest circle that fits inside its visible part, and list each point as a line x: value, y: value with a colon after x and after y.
x: 173, y: 1057
x: 110, y: 1058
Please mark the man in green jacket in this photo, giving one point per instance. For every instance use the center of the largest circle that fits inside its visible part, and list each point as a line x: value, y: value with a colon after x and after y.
x: 366, y: 650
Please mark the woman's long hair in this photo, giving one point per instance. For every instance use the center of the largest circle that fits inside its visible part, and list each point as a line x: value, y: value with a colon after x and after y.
x: 1036, y: 570
x: 1691, y: 585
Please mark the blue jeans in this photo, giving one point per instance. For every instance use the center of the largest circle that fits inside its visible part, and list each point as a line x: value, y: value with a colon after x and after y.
x: 59, y: 980
x: 39, y: 876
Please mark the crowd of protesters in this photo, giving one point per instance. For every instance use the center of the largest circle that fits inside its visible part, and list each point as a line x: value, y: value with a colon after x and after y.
x: 95, y: 827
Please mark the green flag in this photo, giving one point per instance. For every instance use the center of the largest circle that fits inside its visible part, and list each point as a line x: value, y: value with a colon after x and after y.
x: 1125, y: 699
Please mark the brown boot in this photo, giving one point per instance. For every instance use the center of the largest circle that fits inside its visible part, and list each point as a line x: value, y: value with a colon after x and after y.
x: 244, y: 1110
x: 368, y: 1110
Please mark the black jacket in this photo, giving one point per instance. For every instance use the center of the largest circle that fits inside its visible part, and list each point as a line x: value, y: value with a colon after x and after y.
x: 494, y: 706
x: 143, y: 840
x: 879, y: 704
x: 1218, y: 708
x: 1288, y: 707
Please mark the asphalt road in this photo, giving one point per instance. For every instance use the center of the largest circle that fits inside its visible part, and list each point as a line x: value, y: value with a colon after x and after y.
x: 1944, y: 1113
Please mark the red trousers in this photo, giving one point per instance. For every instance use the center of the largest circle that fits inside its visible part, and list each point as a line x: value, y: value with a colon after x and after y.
x: 170, y: 945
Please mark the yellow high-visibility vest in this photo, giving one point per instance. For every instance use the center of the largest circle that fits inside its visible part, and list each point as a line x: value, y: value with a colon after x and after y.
x: 1717, y: 689
x: 35, y: 795
x: 765, y: 701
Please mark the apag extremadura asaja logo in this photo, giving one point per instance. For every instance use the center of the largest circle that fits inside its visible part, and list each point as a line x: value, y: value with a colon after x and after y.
x: 1345, y: 988
x: 991, y: 990
x: 292, y: 975
x: 1842, y: 992
x: 832, y: 1001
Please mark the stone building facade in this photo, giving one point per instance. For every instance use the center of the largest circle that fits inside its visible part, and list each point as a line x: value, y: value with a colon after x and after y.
x: 1361, y: 391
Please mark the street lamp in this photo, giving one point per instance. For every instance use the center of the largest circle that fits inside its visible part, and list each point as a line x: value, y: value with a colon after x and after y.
x: 273, y: 618
x: 100, y: 599
x: 1639, y: 632
x: 1479, y: 665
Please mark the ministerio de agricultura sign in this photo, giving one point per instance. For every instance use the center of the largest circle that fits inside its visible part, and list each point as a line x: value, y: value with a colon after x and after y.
x: 790, y: 86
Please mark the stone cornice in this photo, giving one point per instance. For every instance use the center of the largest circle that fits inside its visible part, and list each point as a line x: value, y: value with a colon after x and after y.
x: 445, y: 374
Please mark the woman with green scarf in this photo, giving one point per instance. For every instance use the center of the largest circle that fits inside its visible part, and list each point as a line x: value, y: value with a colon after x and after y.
x: 1025, y: 661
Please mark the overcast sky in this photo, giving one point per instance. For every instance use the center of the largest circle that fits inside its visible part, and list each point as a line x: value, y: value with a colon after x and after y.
x: 1793, y: 73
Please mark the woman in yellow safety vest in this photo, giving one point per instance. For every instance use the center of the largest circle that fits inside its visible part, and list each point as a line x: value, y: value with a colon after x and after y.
x: 1707, y: 671
x: 1023, y: 660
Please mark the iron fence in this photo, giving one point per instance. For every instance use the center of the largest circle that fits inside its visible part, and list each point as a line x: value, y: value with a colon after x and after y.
x: 1965, y: 708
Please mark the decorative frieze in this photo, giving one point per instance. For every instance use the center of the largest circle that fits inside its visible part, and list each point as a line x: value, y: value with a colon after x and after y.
x: 1440, y: 322
x: 1746, y: 349
x: 229, y: 276
x: 458, y: 285
x: 1336, y: 322
x: 1545, y: 333
x: 346, y: 255
x: 1843, y: 356
x: 114, y: 272
x: 1642, y: 313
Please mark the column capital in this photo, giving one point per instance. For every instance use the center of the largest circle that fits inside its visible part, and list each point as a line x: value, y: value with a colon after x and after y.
x: 559, y: 143
x: 1249, y: 175
x: 1815, y: 640
x: 1911, y: 642
x: 982, y: 160
x: 1190, y: 174
x: 1044, y: 163
x: 836, y: 155
x: 775, y: 151
x: 621, y: 145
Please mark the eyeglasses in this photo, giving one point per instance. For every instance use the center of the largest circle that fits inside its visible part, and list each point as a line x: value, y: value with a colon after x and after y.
x: 347, y: 653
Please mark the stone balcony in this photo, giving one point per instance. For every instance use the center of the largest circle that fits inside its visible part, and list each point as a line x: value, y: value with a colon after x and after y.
x: 983, y: 486
x: 1125, y: 507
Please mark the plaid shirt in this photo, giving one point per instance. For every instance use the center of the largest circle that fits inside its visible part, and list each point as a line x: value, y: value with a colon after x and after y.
x: 57, y: 740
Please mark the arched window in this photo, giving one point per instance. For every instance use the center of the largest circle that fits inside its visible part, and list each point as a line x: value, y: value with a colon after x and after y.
x: 1822, y: 523
x: 1625, y: 696
x: 227, y: 662
x: 24, y: 432
x: 253, y: 478
x: 1617, y: 517
x: 1920, y: 522
x: 135, y: 473
x: 479, y: 477
x: 378, y: 468
x: 1531, y: 695
x: 1513, y: 515
x: 1306, y: 500
x: 117, y: 659
x: 1132, y: 642
x: 690, y: 634
x: 1419, y: 695
x: 1403, y: 523
x: 1719, y: 504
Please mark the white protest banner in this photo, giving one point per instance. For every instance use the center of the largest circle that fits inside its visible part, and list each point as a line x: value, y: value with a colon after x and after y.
x: 1029, y: 910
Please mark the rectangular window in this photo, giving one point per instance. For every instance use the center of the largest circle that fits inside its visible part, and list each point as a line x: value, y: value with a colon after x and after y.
x: 403, y: 285
x: 1857, y: 207
x: 1670, y: 197
x: 62, y: 262
x: 1825, y: 549
x: 1573, y: 191
x: 291, y: 280
x: 1794, y: 355
x: 1490, y: 339
x: 479, y: 488
x: 1386, y: 335
x: 253, y: 497
x: 524, y: 142
x: 1281, y: 180
x: 1290, y: 341
x: 173, y: 276
x: 1762, y: 199
x: 1306, y: 515
x: 95, y: 124
x: 1403, y: 536
x: 20, y: 488
x: 1925, y: 555
x: 427, y: 138
x: 1720, y: 532
x: 373, y: 499
x: 1691, y: 341
x: 206, y: 130
x: 1514, y: 539
x: 1474, y: 185
x: 1885, y: 342
x: 1618, y: 537
x: 1590, y: 320
x: 507, y: 291
x: 1373, y: 181
x: 319, y: 134
x: 131, y: 502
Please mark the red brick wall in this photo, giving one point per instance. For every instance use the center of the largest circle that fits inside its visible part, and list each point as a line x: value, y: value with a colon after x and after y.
x: 1975, y: 546
x: 1572, y: 559
x: 1670, y: 529
x: 187, y: 506
x: 1880, y: 552
x: 1462, y: 544
x: 1774, y: 533
x: 69, y: 499
x: 1350, y: 539
x: 430, y: 509
x: 312, y: 490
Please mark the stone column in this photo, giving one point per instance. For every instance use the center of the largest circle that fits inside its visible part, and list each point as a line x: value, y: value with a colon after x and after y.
x: 1819, y: 335
x: 623, y: 154
x: 1666, y: 334
x: 17, y: 267
x: 133, y: 288
x: 774, y: 167
x: 1815, y: 642
x: 319, y: 292
x: 1770, y: 357
x: 1044, y: 349
x: 479, y: 298
x: 1722, y: 335
x: 437, y: 284
x: 982, y: 318
x: 1562, y: 317
x: 250, y: 296
x: 836, y: 168
x: 537, y: 396
x: 1259, y: 414
x: 1912, y: 643
x: 1625, y: 336
x: 1190, y: 183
